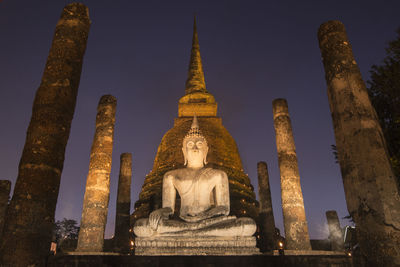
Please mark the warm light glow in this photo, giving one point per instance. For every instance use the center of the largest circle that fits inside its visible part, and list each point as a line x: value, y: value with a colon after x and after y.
x: 349, y: 254
x: 132, y: 243
x: 280, y: 244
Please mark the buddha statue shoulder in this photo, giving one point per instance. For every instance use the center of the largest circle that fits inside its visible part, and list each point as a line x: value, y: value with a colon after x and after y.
x: 204, y: 194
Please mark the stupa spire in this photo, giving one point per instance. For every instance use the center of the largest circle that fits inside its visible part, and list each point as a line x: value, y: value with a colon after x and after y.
x: 195, y: 81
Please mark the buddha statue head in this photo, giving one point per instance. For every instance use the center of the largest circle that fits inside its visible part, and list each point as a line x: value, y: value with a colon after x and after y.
x: 195, y: 146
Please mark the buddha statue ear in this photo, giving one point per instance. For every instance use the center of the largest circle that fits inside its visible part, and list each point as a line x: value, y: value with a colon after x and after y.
x: 205, y: 155
x: 184, y: 155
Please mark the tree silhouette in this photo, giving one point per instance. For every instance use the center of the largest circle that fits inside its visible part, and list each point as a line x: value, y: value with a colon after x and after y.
x: 384, y: 92
x: 66, y: 230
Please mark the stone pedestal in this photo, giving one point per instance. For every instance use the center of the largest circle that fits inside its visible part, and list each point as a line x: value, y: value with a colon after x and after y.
x: 167, y: 246
x: 294, y: 216
x: 122, y: 217
x: 266, y: 215
x: 97, y: 194
x: 335, y: 232
x: 30, y: 216
x: 371, y: 191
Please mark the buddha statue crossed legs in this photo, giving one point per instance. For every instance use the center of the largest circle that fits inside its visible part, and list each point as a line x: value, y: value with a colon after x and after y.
x: 204, y: 194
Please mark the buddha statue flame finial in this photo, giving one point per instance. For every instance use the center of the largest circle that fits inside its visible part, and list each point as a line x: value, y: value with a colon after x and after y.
x: 194, y: 130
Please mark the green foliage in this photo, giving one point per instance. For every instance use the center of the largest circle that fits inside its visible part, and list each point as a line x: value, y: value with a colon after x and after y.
x: 384, y: 92
x: 66, y: 229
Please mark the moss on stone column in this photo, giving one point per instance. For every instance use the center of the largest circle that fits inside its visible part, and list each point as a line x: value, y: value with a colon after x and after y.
x: 122, y: 218
x: 5, y: 188
x: 97, y: 194
x: 372, y: 195
x: 335, y: 232
x: 294, y: 216
x: 266, y: 214
x: 30, y: 216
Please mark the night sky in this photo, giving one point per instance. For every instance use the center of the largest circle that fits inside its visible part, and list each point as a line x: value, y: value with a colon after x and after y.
x: 138, y: 51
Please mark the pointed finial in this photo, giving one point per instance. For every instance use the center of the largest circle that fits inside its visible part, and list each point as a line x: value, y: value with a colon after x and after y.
x: 195, y: 123
x: 195, y: 81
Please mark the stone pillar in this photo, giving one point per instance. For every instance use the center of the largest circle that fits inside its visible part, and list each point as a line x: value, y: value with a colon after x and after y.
x: 5, y: 188
x: 335, y: 232
x: 294, y: 216
x: 97, y: 194
x: 122, y: 218
x: 372, y: 195
x: 266, y: 215
x: 30, y: 216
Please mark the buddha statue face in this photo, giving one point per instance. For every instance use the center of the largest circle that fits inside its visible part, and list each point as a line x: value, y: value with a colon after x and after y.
x: 195, y: 151
x: 195, y: 146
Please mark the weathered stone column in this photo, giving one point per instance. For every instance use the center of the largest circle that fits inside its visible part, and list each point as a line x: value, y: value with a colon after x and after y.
x: 5, y: 188
x: 335, y: 232
x: 30, y: 216
x: 266, y: 215
x: 372, y: 195
x: 97, y: 194
x: 294, y: 216
x: 122, y: 218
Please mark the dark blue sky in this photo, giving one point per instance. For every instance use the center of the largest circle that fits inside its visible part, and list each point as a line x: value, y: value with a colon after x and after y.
x: 138, y: 51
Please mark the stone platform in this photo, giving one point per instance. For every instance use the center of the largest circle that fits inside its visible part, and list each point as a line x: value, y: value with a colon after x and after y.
x: 186, y: 246
x: 199, y: 261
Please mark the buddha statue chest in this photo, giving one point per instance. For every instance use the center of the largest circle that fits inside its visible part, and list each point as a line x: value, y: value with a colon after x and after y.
x: 197, y: 194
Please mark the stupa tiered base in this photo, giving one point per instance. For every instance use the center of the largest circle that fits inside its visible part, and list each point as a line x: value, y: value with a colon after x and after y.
x: 238, y: 245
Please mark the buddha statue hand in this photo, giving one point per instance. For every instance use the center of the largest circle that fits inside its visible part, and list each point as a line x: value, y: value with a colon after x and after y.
x: 215, y: 211
x: 157, y: 215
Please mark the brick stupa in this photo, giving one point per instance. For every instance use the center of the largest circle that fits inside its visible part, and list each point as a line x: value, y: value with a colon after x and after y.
x: 223, y: 153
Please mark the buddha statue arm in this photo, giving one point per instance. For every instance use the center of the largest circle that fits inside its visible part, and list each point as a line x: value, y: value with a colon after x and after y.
x: 222, y: 195
x: 168, y: 192
x: 168, y: 202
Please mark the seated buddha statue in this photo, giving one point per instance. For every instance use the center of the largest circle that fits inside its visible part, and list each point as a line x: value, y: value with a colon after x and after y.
x: 204, y: 194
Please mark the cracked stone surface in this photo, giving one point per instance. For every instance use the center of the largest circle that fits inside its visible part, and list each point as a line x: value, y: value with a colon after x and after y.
x: 294, y: 215
x: 30, y: 217
x: 122, y: 217
x: 372, y: 195
x: 266, y: 215
x: 97, y: 194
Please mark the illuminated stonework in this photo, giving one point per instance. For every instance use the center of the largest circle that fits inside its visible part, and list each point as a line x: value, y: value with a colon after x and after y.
x: 199, y: 104
x: 30, y: 215
x: 294, y: 216
x: 97, y: 194
x: 372, y: 194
